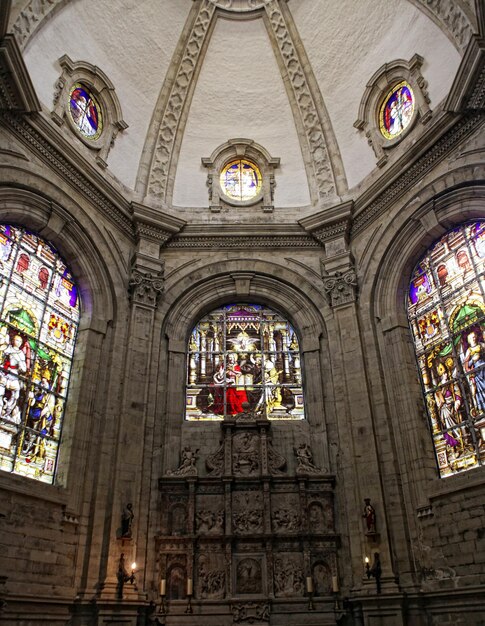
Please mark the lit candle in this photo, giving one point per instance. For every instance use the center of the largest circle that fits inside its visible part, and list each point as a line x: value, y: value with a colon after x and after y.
x: 366, y: 559
x: 133, y: 568
x: 335, y: 584
x: 163, y: 587
x: 189, y: 586
x: 309, y: 584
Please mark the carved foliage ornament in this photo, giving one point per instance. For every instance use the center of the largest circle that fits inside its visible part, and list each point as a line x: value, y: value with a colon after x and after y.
x: 146, y: 287
x: 341, y: 287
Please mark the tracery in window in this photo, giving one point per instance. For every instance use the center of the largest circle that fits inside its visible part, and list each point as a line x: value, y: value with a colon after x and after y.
x: 39, y: 315
x: 397, y: 110
x: 241, y: 180
x: 85, y: 111
x: 244, y: 353
x: 446, y: 309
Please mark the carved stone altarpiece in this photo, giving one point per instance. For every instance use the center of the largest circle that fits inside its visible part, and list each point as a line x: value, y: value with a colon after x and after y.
x: 247, y: 533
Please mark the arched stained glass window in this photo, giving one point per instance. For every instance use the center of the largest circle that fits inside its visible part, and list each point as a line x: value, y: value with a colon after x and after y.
x: 39, y: 315
x: 446, y: 309
x: 243, y: 353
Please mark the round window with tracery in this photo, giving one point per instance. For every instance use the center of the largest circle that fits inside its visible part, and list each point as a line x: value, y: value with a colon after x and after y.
x: 241, y: 180
x: 85, y: 112
x: 397, y: 110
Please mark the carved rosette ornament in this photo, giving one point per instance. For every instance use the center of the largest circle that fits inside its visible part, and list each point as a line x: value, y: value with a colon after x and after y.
x: 341, y: 287
x: 146, y: 287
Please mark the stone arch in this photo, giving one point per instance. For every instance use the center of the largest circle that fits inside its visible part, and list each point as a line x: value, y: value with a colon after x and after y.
x: 245, y: 280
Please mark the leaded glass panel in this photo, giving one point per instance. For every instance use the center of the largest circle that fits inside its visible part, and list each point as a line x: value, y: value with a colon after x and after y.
x: 397, y: 110
x: 446, y: 310
x: 39, y: 315
x: 243, y: 353
x: 85, y: 112
x: 241, y: 180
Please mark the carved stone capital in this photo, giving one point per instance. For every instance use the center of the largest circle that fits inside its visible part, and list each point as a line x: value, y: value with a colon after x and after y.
x: 146, y: 287
x: 341, y: 287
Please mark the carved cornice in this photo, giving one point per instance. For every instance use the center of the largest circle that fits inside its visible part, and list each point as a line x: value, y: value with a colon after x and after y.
x: 224, y: 242
x: 341, y: 287
x: 154, y: 224
x: 438, y: 151
x: 63, y: 167
x: 468, y: 89
x: 146, y: 287
x: 305, y: 101
x: 158, y: 176
x: 330, y: 223
x: 451, y: 18
x: 16, y: 90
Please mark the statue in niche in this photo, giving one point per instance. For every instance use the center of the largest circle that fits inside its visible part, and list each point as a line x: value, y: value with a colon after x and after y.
x: 322, y: 578
x: 187, y: 463
x: 288, y: 578
x: 245, y: 453
x: 370, y: 517
x: 178, y: 519
x: 127, y: 518
x: 304, y: 459
x: 248, y: 576
x: 315, y: 518
x: 176, y: 583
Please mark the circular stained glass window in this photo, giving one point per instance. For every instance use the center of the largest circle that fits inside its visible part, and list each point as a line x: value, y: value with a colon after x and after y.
x: 85, y: 112
x: 397, y: 110
x: 241, y: 180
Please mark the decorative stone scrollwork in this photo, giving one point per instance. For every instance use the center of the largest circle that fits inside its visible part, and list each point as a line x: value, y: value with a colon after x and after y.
x: 341, y: 287
x: 146, y: 287
x: 306, y: 104
x: 250, y: 612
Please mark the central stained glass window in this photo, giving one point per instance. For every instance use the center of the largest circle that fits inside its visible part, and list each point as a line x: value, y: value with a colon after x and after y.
x: 446, y: 309
x: 39, y: 316
x: 396, y: 111
x: 85, y: 112
x: 241, y: 180
x: 244, y: 353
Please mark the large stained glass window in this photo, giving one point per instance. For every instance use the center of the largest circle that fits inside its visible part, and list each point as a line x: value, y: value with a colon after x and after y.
x: 446, y: 309
x: 241, y: 180
x: 39, y: 314
x: 396, y: 111
x: 243, y: 353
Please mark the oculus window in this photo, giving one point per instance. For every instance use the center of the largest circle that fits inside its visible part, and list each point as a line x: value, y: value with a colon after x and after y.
x: 446, y: 310
x: 39, y: 315
x: 396, y: 111
x: 241, y: 180
x: 243, y: 353
x: 85, y: 112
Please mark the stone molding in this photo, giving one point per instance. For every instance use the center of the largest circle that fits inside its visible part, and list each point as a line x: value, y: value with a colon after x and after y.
x: 146, y: 287
x: 64, y: 168
x: 450, y: 16
x: 412, y: 174
x: 31, y: 17
x: 305, y: 101
x: 243, y: 242
x: 468, y: 89
x: 330, y: 224
x: 16, y: 89
x: 153, y: 225
x: 341, y: 287
x: 158, y: 176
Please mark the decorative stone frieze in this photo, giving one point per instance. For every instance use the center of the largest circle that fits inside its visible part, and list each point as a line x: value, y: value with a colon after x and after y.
x: 146, y: 287
x: 341, y: 287
x: 310, y: 115
x: 31, y: 17
x: 451, y: 17
x: 167, y: 132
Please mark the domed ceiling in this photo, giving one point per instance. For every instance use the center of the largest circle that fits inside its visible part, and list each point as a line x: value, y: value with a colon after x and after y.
x: 189, y: 76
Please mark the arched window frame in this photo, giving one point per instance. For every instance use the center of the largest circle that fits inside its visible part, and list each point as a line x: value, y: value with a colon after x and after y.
x: 96, y: 81
x: 383, y: 80
x: 449, y: 383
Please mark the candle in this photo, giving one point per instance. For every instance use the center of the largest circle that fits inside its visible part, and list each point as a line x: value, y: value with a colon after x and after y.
x: 309, y: 584
x: 189, y: 586
x: 163, y: 587
x: 335, y: 584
